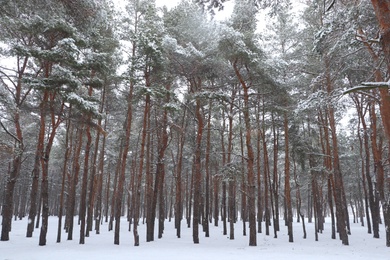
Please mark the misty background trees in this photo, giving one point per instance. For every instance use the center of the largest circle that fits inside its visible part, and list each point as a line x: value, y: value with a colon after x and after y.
x: 276, y: 114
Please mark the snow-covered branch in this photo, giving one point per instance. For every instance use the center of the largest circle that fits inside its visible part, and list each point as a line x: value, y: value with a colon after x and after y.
x: 368, y: 86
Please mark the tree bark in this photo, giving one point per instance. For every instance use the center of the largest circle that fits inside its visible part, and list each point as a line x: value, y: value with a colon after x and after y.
x: 68, y: 143
x: 140, y: 170
x: 36, y: 169
x: 84, y: 183
x: 123, y: 163
x: 55, y: 122
x: 207, y: 170
x: 160, y: 170
x: 179, y: 182
x: 382, y: 12
x: 74, y: 180
x: 244, y: 197
x: 250, y: 160
x: 232, y: 179
x: 287, y: 189
x: 196, y: 84
x: 93, y: 181
x: 16, y: 164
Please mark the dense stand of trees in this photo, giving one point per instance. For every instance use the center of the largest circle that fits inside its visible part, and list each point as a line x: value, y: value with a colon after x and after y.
x: 154, y: 114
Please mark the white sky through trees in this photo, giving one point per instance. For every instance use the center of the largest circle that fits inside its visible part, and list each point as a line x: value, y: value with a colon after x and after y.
x: 219, y: 15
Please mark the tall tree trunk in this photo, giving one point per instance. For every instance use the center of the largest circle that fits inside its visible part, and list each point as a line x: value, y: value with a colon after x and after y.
x: 36, y: 169
x: 250, y: 160
x: 275, y: 181
x: 68, y: 144
x: 232, y: 179
x: 382, y: 11
x: 287, y: 189
x: 160, y: 170
x: 342, y: 217
x: 94, y: 178
x: 118, y: 195
x: 14, y: 172
x: 368, y: 178
x: 197, y: 83
x: 326, y: 149
x: 377, y: 148
x: 7, y: 209
x: 75, y: 178
x: 361, y: 113
x: 150, y: 196
x: 84, y: 183
x: 107, y: 194
x: 137, y: 191
x: 244, y: 197
x: 207, y: 169
x: 99, y: 192
x: 179, y: 182
x: 258, y: 169
x: 55, y: 122
x: 338, y: 188
x: 330, y: 202
x: 223, y: 195
x: 299, y: 199
x: 266, y: 184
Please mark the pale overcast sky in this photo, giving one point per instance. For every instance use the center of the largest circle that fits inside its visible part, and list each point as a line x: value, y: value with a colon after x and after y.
x: 219, y: 15
x: 168, y: 3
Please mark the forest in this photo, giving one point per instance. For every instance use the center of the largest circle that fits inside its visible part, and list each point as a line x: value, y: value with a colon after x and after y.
x: 150, y: 114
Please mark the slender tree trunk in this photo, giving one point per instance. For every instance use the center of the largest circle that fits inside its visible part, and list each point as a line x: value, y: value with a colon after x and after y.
x: 99, y: 192
x: 7, y: 209
x: 244, y: 197
x: 339, y: 186
x: 14, y: 171
x: 160, y: 171
x: 232, y: 179
x: 326, y: 148
x: 287, y: 189
x: 189, y: 196
x: 35, y: 172
x: 107, y: 193
x: 207, y: 170
x: 299, y: 199
x: 55, y: 122
x: 223, y: 196
x: 266, y: 185
x: 123, y: 163
x: 361, y: 113
x: 382, y: 11
x: 68, y: 143
x: 313, y: 176
x: 258, y: 169
x: 371, y: 195
x: 330, y: 202
x: 75, y: 179
x: 150, y: 196
x: 140, y: 171
x: 179, y: 182
x: 94, y: 178
x: 275, y: 181
x: 378, y: 169
x: 84, y: 183
x: 198, y: 167
x: 250, y: 160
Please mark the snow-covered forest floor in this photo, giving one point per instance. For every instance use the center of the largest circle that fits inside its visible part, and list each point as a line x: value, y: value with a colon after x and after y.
x: 217, y: 246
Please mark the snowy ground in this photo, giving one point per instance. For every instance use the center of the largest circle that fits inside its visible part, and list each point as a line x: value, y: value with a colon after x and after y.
x: 217, y: 246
